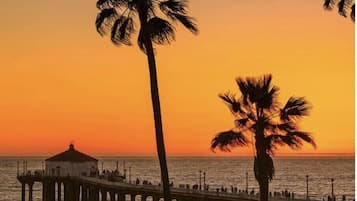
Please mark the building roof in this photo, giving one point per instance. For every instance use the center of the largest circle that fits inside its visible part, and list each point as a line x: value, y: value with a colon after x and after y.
x: 71, y: 155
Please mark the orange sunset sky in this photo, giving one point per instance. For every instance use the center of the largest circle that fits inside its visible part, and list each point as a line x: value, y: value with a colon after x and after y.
x: 61, y: 82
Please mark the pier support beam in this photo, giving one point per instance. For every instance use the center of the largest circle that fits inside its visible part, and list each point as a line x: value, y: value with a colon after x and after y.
x: 76, y: 191
x: 52, y: 193
x: 68, y: 191
x: 103, y: 193
x: 132, y: 197
x: 44, y: 198
x: 121, y: 196
x: 93, y: 193
x: 48, y: 191
x: 112, y: 196
x: 30, y: 191
x: 84, y: 194
x: 143, y: 197
x: 23, y: 191
x: 59, y: 191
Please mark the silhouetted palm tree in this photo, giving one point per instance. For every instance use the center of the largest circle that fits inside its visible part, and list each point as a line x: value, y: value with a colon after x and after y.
x: 258, y: 115
x: 344, y: 7
x: 118, y: 18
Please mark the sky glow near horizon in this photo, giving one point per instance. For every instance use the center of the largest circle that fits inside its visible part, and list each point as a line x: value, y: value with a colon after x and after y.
x: 62, y: 82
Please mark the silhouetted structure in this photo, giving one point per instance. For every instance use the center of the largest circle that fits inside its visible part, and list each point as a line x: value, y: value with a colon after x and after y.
x: 258, y: 115
x: 117, y: 17
x: 344, y: 7
x: 71, y: 163
x: 86, y: 188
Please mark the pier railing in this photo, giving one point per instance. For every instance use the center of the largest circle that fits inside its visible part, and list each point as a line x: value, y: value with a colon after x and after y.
x: 85, y: 188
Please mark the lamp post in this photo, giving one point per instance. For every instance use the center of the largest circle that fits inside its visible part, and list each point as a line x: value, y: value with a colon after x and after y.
x: 200, y: 180
x: 18, y: 168
x: 204, y: 180
x: 307, y: 187
x: 246, y: 182
x: 129, y: 174
x: 332, y: 194
x: 23, y: 167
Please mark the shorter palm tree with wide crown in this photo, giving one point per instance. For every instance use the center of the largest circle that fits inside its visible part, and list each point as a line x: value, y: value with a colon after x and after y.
x: 258, y: 113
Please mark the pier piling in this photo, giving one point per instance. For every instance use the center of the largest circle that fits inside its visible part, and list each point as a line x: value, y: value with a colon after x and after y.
x: 23, y: 191
x: 103, y: 193
x: 30, y: 191
x: 59, y: 191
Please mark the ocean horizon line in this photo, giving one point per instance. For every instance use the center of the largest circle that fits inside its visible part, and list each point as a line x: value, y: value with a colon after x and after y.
x: 280, y: 155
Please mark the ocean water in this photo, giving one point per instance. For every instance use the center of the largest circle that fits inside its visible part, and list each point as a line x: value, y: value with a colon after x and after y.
x: 290, y: 173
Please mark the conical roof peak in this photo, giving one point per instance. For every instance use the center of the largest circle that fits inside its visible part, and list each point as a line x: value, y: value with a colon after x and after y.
x: 71, y: 155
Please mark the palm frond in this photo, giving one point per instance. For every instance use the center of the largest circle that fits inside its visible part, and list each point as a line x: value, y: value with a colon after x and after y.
x: 304, y: 136
x: 227, y: 140
x: 185, y: 20
x: 104, y: 4
x: 328, y: 4
x: 104, y: 20
x: 292, y: 142
x: 353, y: 12
x: 252, y: 116
x: 114, y: 33
x: 176, y: 6
x: 268, y: 100
x: 286, y: 127
x: 141, y: 41
x: 295, y: 107
x: 271, y: 141
x: 160, y: 30
x: 241, y: 122
x: 243, y: 88
x: 143, y: 7
x: 121, y: 31
x: 276, y: 139
x: 293, y: 139
x: 253, y: 89
x: 342, y: 8
x: 258, y: 90
x: 265, y: 82
x: 282, y: 127
x: 232, y: 102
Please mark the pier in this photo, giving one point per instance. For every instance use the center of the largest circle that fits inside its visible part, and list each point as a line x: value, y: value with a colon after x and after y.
x: 84, y: 188
x: 74, y: 176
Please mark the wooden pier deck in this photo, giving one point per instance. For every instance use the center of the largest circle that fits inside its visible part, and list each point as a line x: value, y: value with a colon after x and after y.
x: 81, y: 188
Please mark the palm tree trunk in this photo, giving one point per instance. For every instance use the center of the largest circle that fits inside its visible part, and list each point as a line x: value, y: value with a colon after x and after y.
x: 157, y: 118
x: 263, y: 189
x: 262, y: 178
x: 260, y: 168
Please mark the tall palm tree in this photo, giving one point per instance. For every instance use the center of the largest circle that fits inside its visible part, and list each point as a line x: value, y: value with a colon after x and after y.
x: 257, y: 114
x: 118, y: 18
x: 344, y: 7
